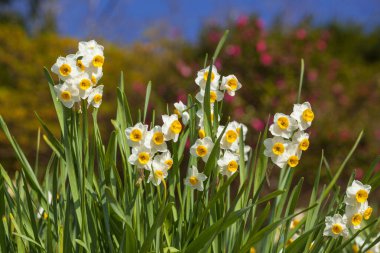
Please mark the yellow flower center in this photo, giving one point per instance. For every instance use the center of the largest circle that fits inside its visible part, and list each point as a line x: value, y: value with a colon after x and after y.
x: 46, y: 215
x: 158, y: 138
x: 176, y: 127
x: 176, y: 111
x: 367, y: 213
x: 355, y: 248
x: 293, y: 161
x: 65, y: 69
x: 201, y: 151
x: 252, y: 250
x: 193, y: 180
x: 98, y: 98
x: 135, y: 135
x: 213, y: 97
x: 93, y: 79
x: 84, y: 84
x: 304, y: 144
x: 278, y: 148
x: 361, y: 196
x: 232, y: 84
x: 201, y: 133
x: 283, y: 122
x: 98, y: 61
x: 143, y: 158
x: 159, y: 174
x: 232, y: 166
x: 205, y: 75
x: 66, y: 95
x: 294, y: 223
x: 356, y: 219
x: 308, y: 115
x: 231, y: 136
x: 336, y: 229
x: 169, y: 162
x: 80, y: 65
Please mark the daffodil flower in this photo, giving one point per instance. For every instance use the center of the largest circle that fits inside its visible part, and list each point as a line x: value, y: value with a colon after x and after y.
x: 283, y: 125
x: 202, y: 148
x: 165, y: 158
x: 357, y: 193
x: 215, y: 96
x: 180, y: 110
x: 171, y: 127
x: 303, y: 114
x: 230, y: 84
x: 202, y: 76
x: 228, y: 163
x: 141, y: 157
x: 95, y: 97
x: 158, y: 173
x: 275, y: 147
x: 301, y: 139
x: 67, y: 94
x: 336, y: 226
x: 136, y: 134
x: 195, y: 179
x: 155, y: 140
x: 66, y: 67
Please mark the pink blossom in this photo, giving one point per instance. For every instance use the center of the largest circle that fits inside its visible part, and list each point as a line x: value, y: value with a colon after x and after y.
x: 228, y: 98
x: 257, y: 124
x: 301, y: 34
x: 138, y: 88
x: 321, y: 45
x: 242, y: 21
x: 183, y: 69
x: 218, y: 64
x: 233, y: 50
x: 344, y: 134
x: 259, y: 24
x: 359, y: 173
x: 266, y: 59
x: 239, y: 112
x: 261, y: 46
x: 312, y: 75
x: 182, y: 96
x: 214, y: 36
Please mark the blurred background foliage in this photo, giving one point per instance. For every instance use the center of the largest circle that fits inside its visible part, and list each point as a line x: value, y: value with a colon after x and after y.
x: 342, y: 79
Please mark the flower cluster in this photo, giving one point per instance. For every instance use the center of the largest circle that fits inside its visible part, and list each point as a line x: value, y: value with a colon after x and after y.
x: 360, y: 242
x: 150, y: 149
x: 357, y: 209
x: 79, y: 75
x: 289, y: 140
x: 228, y: 160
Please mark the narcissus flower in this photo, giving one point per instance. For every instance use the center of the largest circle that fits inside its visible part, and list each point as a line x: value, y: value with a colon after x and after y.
x: 283, y: 125
x: 93, y: 56
x: 165, y: 158
x: 336, y: 226
x: 66, y: 67
x: 41, y: 211
x: 202, y: 148
x: 180, y: 110
x: 155, y: 140
x: 228, y: 163
x: 67, y: 94
x: 136, y: 134
x: 215, y: 96
x: 83, y: 83
x: 291, y: 157
x: 172, y: 127
x: 158, y: 173
x: 195, y: 179
x: 303, y: 114
x: 230, y: 84
x: 275, y: 147
x: 230, y: 138
x: 357, y: 193
x: 302, y: 140
x: 141, y: 157
x: 95, y: 97
x: 203, y: 75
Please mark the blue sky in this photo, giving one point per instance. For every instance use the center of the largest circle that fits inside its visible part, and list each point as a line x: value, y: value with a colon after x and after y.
x: 128, y: 20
